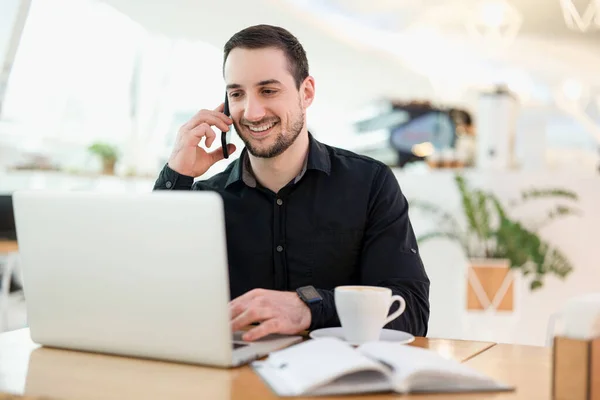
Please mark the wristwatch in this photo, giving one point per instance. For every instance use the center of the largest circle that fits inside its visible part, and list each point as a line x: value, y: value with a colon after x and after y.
x: 309, y: 295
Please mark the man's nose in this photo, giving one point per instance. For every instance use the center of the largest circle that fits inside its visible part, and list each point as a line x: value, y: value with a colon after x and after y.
x: 254, y: 111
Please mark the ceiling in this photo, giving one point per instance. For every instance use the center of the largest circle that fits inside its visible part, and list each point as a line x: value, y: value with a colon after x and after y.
x: 333, y: 24
x: 541, y: 18
x: 351, y: 41
x: 331, y: 57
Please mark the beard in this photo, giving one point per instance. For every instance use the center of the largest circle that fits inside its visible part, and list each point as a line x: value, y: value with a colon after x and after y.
x: 285, y: 138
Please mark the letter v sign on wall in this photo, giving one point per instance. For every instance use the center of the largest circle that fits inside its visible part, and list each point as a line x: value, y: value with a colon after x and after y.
x: 490, y: 286
x: 589, y: 19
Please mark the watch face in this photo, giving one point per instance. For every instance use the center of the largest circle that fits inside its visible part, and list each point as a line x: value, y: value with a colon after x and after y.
x: 310, y: 294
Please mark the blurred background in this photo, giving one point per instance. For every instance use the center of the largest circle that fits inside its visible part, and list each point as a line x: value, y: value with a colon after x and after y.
x: 504, y: 92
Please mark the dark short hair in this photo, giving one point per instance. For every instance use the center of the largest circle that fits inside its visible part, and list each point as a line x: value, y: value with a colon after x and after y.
x: 262, y: 36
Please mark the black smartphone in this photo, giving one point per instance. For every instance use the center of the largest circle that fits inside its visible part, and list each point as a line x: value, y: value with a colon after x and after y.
x: 224, y: 135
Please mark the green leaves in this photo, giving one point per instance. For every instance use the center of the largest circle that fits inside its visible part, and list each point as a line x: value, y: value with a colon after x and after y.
x: 535, y: 284
x: 447, y: 225
x: 550, y: 192
x: 446, y: 235
x: 557, y: 212
x: 491, y: 233
x: 104, y: 150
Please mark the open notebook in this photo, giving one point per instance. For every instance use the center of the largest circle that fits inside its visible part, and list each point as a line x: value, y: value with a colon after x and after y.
x: 329, y: 366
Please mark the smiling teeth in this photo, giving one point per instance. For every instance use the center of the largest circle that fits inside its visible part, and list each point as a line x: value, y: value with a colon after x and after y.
x: 261, y: 128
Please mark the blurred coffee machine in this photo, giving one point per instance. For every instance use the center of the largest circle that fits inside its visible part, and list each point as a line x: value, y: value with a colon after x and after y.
x: 425, y: 132
x: 497, y: 112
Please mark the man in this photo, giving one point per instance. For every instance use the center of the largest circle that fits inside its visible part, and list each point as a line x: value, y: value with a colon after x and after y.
x: 298, y: 213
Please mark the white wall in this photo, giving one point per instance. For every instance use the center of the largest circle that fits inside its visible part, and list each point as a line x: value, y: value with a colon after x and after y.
x: 8, y: 14
x: 13, y: 14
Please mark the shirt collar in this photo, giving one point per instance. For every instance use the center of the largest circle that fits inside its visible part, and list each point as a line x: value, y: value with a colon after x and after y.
x: 318, y: 159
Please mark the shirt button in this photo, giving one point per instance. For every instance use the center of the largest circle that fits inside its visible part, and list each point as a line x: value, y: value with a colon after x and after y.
x: 279, y: 202
x: 279, y: 249
x: 169, y: 184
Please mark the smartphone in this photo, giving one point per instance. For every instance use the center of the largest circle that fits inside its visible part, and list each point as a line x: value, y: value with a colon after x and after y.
x: 225, y: 136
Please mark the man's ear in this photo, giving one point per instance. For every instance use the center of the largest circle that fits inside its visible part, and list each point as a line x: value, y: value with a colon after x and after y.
x: 307, y: 91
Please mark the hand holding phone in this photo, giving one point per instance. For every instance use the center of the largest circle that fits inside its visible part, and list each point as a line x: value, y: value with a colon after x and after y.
x: 188, y: 158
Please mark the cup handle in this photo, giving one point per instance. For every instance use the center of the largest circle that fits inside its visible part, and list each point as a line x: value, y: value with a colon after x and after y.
x: 399, y: 311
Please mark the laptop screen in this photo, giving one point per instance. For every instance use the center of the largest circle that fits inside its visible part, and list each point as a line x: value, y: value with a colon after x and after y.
x: 7, y: 218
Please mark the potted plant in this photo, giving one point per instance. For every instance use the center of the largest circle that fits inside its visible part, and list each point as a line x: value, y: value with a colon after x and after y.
x: 108, y: 154
x: 496, y: 244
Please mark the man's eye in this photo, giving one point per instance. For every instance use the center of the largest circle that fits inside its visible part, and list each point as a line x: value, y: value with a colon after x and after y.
x: 235, y: 94
x: 269, y: 91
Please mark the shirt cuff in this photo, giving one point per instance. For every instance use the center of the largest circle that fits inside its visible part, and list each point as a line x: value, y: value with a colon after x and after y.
x: 172, y: 180
x: 323, y: 313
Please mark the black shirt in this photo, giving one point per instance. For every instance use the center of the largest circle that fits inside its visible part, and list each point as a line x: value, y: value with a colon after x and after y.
x: 342, y: 221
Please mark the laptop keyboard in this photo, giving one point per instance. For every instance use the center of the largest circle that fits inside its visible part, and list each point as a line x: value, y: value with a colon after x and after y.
x: 237, y: 340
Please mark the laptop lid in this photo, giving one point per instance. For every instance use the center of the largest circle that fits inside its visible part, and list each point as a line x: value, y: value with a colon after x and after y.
x: 140, y: 274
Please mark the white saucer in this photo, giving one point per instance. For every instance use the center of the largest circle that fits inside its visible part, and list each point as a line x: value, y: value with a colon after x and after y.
x: 387, y: 335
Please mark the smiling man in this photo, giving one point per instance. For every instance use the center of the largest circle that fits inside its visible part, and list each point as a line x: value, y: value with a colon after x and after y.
x: 301, y: 217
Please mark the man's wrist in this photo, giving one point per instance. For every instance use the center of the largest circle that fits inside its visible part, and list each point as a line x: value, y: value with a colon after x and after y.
x: 170, y: 179
x: 306, y: 317
x: 175, y: 169
x: 313, y: 301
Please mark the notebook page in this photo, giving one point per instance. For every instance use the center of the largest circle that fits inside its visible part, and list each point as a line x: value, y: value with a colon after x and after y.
x: 358, y: 382
x: 313, y: 363
x: 437, y: 382
x: 420, y: 369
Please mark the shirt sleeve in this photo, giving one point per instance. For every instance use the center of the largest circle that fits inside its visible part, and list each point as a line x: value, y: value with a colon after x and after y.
x: 390, y: 258
x: 171, y: 180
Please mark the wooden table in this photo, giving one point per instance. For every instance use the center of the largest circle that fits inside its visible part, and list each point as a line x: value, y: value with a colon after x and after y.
x: 39, y: 372
x: 528, y: 368
x: 8, y: 246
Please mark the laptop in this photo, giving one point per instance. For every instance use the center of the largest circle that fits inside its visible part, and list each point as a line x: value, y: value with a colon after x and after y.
x: 136, y: 274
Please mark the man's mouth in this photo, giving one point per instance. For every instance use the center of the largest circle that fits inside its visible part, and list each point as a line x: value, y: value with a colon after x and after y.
x: 261, y: 130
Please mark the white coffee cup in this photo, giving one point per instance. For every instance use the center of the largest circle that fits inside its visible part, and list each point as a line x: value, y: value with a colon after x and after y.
x: 363, y: 311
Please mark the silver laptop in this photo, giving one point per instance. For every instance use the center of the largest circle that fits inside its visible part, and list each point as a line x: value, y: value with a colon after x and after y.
x: 141, y: 275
